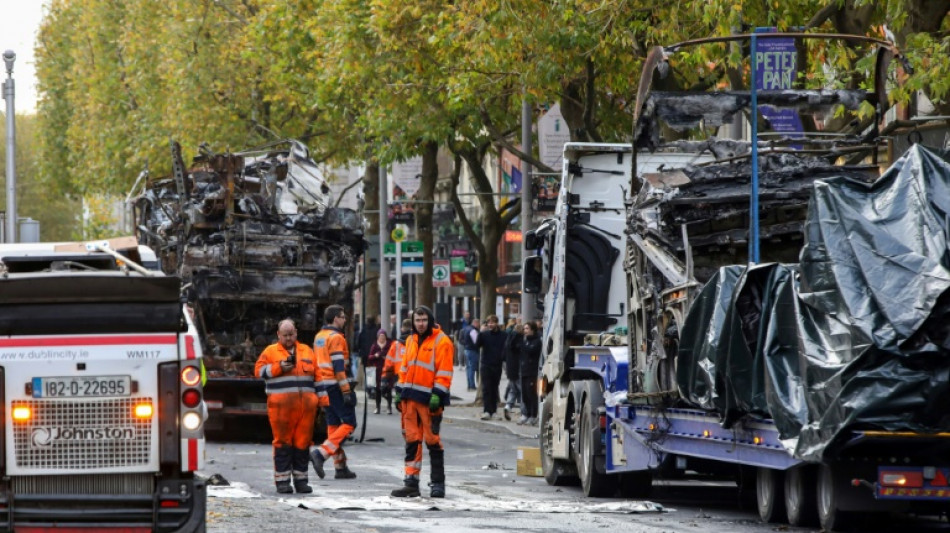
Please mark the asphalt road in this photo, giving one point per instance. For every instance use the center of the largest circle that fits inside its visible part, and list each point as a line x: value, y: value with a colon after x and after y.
x: 483, y: 491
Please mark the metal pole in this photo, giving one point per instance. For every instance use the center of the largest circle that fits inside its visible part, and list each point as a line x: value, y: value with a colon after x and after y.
x: 383, y: 239
x: 8, y: 91
x: 754, y: 117
x: 398, y: 281
x: 527, y: 303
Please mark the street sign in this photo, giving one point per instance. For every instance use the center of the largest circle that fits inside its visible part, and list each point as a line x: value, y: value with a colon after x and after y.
x: 440, y: 273
x: 410, y: 266
x: 409, y: 249
x: 458, y: 278
x: 398, y: 235
x: 458, y: 264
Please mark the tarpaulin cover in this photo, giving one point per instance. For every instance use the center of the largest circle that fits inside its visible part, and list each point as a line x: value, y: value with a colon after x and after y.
x: 857, y: 336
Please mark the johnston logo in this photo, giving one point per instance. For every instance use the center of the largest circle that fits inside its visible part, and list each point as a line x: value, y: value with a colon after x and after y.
x: 43, y: 437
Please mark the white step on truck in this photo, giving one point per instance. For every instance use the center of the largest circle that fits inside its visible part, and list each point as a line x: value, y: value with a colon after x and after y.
x: 102, y: 396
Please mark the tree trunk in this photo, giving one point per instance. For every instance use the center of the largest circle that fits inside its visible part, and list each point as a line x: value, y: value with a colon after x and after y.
x: 494, y: 222
x: 425, y: 293
x: 371, y: 209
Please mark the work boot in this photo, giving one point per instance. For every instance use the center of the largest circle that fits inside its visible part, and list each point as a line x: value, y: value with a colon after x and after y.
x: 410, y: 489
x: 437, y: 490
x: 344, y: 473
x: 302, y: 487
x: 283, y: 487
x: 318, y: 459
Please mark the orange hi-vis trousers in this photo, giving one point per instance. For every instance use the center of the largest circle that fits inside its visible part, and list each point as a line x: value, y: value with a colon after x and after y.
x: 419, y: 424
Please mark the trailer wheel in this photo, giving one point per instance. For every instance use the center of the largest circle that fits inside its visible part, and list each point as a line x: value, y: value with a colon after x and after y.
x: 636, y: 484
x: 831, y: 518
x: 594, y: 483
x: 557, y: 472
x: 768, y: 495
x: 800, y: 503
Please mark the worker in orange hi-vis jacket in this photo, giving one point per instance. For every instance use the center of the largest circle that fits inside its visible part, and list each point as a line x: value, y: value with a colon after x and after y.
x: 425, y: 378
x: 287, y: 369
x: 394, y: 357
x: 335, y: 388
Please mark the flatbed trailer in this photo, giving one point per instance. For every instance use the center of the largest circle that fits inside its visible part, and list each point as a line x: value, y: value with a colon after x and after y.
x: 873, y: 472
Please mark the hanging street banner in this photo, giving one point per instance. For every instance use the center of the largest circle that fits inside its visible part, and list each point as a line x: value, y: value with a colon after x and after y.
x: 552, y: 134
x: 441, y: 273
x: 776, y: 70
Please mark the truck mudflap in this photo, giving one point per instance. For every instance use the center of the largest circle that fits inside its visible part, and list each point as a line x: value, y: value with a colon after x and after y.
x: 638, y: 438
x: 166, y: 506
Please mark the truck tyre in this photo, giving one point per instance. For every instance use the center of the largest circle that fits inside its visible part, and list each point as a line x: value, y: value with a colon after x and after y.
x: 557, y: 472
x: 636, y: 484
x: 800, y: 502
x: 769, y: 485
x: 830, y: 517
x: 594, y: 483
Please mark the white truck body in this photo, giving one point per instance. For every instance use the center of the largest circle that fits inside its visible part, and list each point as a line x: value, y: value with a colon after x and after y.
x: 102, y: 396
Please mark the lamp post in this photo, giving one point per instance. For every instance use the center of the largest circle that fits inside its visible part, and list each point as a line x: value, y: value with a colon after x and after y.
x: 8, y: 58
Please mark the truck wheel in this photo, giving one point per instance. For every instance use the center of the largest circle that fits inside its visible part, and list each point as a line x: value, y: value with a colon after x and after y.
x: 800, y: 502
x: 830, y: 517
x: 557, y: 472
x: 636, y: 484
x: 595, y: 484
x: 768, y: 495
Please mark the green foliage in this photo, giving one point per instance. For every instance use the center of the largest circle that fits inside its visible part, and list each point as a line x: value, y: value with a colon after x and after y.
x: 38, y: 196
x: 359, y: 78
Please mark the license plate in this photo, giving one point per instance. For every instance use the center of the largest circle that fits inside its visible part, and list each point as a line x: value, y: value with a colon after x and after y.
x: 82, y: 387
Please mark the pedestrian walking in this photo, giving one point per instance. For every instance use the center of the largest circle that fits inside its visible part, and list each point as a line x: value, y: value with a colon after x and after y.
x: 288, y: 368
x: 376, y: 360
x: 425, y: 379
x: 530, y: 364
x: 491, y: 342
x: 335, y: 388
x: 467, y: 338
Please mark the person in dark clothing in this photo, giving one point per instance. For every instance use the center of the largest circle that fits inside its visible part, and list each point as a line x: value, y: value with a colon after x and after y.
x: 376, y: 360
x: 530, y: 361
x: 491, y: 342
x: 514, y: 333
x: 364, y: 343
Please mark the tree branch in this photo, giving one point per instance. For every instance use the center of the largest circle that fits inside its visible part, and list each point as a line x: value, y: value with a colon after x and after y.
x: 346, y: 190
x: 501, y: 140
x: 459, y: 211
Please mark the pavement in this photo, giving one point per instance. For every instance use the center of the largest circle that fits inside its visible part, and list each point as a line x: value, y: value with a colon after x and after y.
x: 463, y: 408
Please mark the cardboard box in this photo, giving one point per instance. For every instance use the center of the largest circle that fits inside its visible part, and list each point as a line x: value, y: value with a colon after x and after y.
x: 529, y: 462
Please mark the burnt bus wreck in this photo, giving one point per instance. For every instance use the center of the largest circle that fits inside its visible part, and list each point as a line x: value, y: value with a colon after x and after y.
x: 255, y: 239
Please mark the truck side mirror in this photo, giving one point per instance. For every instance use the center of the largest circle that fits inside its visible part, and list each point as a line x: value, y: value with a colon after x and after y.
x: 531, y: 275
x: 531, y: 240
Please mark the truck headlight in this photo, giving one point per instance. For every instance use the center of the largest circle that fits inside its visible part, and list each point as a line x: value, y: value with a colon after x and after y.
x: 191, y: 421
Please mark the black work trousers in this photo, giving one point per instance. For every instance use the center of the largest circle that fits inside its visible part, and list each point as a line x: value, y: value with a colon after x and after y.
x: 491, y: 377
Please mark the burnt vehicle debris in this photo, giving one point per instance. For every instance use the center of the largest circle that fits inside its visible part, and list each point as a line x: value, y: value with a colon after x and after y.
x: 255, y: 238
x: 708, y: 198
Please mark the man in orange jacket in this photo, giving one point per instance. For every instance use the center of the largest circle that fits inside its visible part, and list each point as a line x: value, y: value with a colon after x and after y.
x: 287, y: 369
x: 335, y: 389
x: 425, y: 378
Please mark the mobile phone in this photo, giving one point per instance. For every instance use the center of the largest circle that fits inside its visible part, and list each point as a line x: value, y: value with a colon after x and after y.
x: 292, y: 359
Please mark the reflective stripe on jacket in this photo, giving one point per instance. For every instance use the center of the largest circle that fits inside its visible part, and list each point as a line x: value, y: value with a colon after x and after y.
x: 333, y: 358
x: 426, y: 369
x: 299, y: 379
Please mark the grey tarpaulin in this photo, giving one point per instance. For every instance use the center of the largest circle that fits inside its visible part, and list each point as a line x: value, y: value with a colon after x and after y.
x: 857, y: 336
